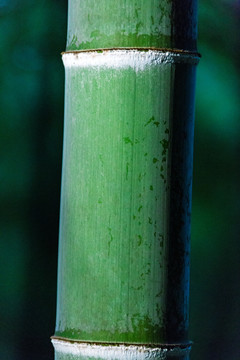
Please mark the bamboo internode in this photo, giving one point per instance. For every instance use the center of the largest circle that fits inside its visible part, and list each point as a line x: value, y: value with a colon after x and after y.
x: 123, y: 277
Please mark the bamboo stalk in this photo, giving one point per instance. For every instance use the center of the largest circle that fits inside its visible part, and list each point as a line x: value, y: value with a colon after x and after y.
x: 123, y: 274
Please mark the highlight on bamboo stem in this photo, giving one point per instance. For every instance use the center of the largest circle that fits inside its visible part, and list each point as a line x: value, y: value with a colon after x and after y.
x: 123, y: 274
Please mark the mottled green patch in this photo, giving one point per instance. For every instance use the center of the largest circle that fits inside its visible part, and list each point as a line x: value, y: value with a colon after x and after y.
x: 139, y: 240
x: 94, y: 34
x: 149, y: 121
x: 73, y: 43
x: 155, y: 160
x: 137, y: 288
x: 161, y: 239
x: 144, y: 332
x: 139, y: 25
x: 141, y: 176
x: 165, y: 144
x: 120, y: 39
x: 127, y: 140
x: 148, y: 271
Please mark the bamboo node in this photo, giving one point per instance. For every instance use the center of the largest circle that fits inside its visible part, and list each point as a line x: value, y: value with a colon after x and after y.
x: 94, y: 350
x: 138, y: 59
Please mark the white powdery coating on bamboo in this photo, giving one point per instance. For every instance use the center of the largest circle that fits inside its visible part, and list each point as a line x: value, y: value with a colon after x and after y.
x: 119, y: 59
x: 116, y: 352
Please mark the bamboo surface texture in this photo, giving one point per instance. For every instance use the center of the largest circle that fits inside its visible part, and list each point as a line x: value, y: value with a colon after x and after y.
x: 123, y: 276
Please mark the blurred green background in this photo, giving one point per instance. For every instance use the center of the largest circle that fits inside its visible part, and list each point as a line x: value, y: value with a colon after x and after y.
x: 32, y: 35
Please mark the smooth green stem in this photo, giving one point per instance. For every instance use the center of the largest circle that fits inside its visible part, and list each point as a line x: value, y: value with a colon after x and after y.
x: 123, y: 275
x: 126, y: 23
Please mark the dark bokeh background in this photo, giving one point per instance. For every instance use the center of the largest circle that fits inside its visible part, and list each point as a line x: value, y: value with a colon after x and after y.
x: 32, y: 35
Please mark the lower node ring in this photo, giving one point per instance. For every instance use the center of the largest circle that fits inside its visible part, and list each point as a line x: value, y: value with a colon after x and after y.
x: 66, y: 349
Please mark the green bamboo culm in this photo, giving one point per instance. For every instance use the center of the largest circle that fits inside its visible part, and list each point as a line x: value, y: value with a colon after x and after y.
x: 123, y: 275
